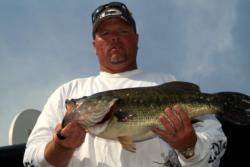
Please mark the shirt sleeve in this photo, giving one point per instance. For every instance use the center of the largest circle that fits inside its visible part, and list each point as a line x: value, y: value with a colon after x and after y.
x: 210, y: 146
x: 43, y: 131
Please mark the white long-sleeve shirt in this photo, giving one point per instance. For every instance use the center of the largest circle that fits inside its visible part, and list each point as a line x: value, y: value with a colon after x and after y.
x: 99, y: 152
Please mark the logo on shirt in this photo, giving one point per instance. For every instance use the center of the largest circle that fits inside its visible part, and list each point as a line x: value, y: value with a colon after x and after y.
x: 170, y: 160
x: 217, y: 149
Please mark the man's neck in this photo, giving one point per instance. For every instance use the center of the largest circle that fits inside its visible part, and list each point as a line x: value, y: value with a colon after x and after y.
x: 114, y: 71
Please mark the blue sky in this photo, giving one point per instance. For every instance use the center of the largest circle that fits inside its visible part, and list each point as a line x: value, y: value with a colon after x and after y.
x: 45, y: 43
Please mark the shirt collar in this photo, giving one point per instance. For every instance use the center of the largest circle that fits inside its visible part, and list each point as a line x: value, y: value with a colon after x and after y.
x: 118, y: 75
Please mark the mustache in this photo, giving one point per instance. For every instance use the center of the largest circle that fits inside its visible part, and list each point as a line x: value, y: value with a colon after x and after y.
x: 115, y: 45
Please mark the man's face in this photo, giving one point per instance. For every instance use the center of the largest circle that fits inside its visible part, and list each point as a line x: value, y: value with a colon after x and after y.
x: 116, y: 46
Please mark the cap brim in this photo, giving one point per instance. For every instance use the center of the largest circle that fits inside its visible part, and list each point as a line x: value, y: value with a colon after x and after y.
x: 97, y: 23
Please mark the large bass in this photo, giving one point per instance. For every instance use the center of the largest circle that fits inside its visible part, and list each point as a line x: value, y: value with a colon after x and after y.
x: 128, y: 115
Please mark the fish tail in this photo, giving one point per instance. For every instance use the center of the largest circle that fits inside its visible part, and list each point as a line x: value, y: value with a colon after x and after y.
x: 236, y: 107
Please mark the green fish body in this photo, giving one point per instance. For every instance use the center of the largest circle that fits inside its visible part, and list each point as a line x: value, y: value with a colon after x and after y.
x: 128, y: 115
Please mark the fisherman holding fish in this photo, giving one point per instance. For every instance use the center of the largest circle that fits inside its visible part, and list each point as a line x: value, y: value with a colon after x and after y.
x: 177, y: 142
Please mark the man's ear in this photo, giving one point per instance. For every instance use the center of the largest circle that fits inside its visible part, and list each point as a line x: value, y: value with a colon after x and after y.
x: 93, y: 43
x: 137, y: 38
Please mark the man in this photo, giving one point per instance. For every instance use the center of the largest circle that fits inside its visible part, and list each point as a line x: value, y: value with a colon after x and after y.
x: 115, y: 40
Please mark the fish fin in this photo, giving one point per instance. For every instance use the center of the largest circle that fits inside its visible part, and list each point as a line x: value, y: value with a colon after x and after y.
x: 181, y: 86
x: 127, y: 143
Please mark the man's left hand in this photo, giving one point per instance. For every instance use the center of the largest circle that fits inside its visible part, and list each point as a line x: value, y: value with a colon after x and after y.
x: 178, y: 131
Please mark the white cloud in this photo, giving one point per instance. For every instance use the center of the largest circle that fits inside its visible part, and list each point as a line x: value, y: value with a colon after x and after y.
x: 208, y: 28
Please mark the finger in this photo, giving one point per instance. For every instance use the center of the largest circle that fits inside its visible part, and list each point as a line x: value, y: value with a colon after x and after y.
x: 72, y: 129
x: 59, y: 135
x: 162, y: 133
x: 175, y: 118
x: 63, y: 133
x: 57, y: 130
x: 183, y: 116
x: 68, y: 128
x: 168, y: 125
x: 58, y: 127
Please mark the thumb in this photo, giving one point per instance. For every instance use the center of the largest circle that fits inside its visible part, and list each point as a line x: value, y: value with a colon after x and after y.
x: 58, y: 127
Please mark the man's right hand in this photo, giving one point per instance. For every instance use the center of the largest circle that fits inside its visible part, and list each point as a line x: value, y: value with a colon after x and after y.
x: 59, y: 152
x: 74, y: 135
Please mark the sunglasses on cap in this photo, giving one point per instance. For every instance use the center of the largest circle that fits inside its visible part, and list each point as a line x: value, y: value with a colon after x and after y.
x: 118, y: 5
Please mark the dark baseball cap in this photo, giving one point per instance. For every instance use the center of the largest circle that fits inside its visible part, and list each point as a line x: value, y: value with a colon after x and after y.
x: 112, y: 9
